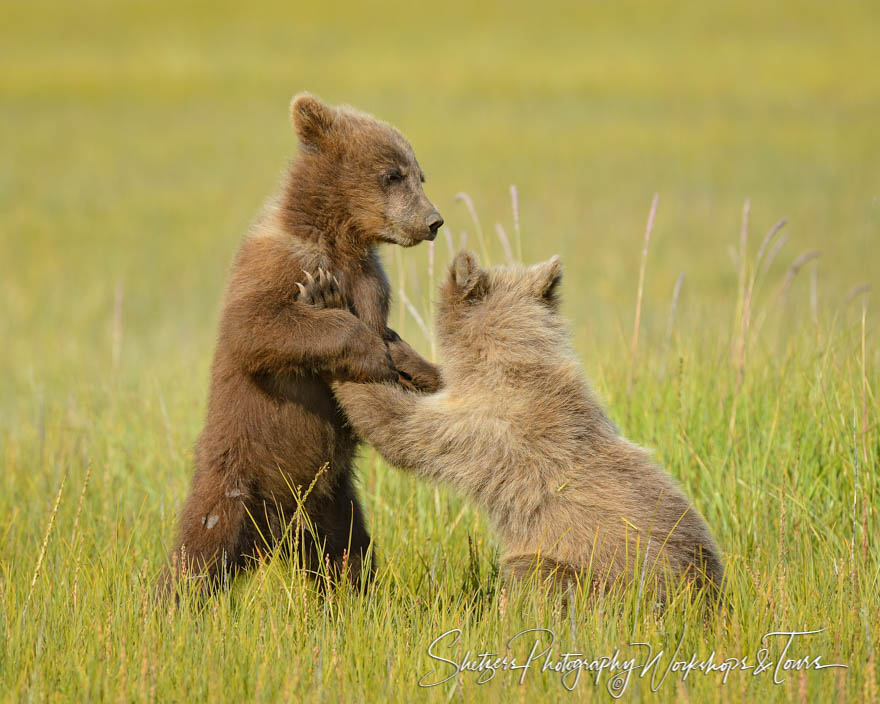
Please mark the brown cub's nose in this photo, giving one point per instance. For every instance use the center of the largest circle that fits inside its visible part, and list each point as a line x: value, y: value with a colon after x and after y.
x: 434, y: 221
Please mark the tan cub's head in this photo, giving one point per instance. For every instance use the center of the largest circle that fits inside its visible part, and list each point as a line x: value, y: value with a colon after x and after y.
x: 501, y: 315
x: 364, y: 173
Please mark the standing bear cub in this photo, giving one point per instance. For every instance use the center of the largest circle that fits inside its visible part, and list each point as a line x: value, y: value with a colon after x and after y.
x: 517, y: 428
x: 273, y: 427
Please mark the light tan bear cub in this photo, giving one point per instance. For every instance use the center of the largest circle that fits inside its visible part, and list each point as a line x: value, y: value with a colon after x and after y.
x: 517, y: 428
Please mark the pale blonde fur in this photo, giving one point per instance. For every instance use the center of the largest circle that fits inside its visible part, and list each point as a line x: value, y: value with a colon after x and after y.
x: 517, y: 428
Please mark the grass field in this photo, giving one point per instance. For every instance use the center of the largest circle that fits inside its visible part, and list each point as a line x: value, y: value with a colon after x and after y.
x: 139, y: 139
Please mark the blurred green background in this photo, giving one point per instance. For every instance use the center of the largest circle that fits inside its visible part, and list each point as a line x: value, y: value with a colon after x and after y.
x: 140, y: 138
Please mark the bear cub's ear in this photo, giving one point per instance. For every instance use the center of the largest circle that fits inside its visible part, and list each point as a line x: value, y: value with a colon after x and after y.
x: 548, y: 276
x: 468, y: 279
x: 311, y: 119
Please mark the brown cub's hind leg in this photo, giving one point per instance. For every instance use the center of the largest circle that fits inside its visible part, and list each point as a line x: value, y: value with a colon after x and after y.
x: 339, y: 524
x: 217, y: 536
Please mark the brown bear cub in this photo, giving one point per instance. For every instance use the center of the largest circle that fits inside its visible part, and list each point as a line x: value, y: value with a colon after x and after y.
x: 517, y: 428
x: 273, y: 427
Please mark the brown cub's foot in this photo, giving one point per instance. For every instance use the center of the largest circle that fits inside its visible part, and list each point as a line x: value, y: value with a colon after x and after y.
x: 321, y: 291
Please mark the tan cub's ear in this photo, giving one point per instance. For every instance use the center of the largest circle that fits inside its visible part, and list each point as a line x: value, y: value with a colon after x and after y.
x: 548, y: 276
x: 469, y: 280
x: 311, y: 119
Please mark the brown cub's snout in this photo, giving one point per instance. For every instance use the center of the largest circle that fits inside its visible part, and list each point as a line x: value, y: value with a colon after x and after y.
x: 433, y: 222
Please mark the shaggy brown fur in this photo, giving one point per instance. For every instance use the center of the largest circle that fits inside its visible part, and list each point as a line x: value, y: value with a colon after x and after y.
x: 517, y: 428
x: 272, y: 422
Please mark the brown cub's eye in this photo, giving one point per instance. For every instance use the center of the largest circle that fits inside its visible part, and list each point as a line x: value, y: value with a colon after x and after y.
x: 392, y: 176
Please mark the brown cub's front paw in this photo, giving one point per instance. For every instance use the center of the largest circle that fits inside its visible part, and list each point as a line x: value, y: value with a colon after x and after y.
x: 321, y: 291
x: 390, y: 336
x: 368, y: 358
x: 373, y: 363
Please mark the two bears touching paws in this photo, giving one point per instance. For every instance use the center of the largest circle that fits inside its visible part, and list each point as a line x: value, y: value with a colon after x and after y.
x: 324, y: 291
x: 518, y: 430
x: 306, y: 366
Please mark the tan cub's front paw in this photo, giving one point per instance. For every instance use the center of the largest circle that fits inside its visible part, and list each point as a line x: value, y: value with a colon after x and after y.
x: 321, y: 291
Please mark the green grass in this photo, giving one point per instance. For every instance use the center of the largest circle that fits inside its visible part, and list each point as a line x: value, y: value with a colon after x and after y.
x: 140, y: 139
